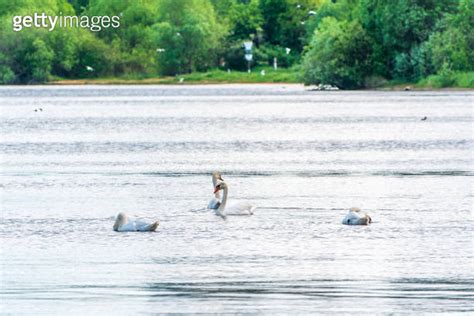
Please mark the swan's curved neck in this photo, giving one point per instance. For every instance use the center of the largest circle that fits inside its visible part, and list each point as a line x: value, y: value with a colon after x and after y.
x: 224, y: 201
x: 214, y: 182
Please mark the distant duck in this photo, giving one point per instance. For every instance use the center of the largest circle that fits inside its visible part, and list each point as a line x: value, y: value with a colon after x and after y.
x: 124, y: 224
x: 407, y: 88
x: 216, y: 200
x: 424, y: 118
x: 356, y: 217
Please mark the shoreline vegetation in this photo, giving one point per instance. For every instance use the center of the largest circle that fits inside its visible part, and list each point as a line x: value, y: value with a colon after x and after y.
x: 348, y: 44
x: 267, y: 75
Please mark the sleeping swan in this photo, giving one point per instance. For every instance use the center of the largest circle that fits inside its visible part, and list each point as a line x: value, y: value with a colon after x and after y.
x: 356, y: 217
x: 124, y: 224
x: 236, y: 208
x: 215, y: 201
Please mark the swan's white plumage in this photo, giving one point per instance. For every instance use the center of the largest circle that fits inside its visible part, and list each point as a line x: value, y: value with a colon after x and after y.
x: 239, y: 208
x: 234, y: 207
x: 215, y: 202
x: 356, y: 217
x: 124, y: 224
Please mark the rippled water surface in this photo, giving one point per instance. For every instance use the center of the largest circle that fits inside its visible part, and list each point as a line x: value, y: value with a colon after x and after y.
x: 302, y: 157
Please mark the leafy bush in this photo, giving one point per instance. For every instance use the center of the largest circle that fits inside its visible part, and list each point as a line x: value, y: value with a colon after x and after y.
x: 190, y: 35
x: 93, y: 57
x: 338, y: 55
x: 6, y: 75
x: 414, y: 65
x: 454, y: 42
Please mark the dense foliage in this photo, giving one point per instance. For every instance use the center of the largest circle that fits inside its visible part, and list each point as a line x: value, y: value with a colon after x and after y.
x: 404, y: 40
x: 345, y: 43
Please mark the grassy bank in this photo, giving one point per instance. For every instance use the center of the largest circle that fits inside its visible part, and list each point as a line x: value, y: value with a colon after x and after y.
x: 450, y: 80
x: 454, y: 80
x: 257, y: 75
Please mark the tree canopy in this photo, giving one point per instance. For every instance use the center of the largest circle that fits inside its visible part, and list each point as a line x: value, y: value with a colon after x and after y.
x: 338, y: 42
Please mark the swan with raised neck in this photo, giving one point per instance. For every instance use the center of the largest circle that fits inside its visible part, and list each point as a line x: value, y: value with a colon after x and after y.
x: 216, y: 200
x: 238, y: 208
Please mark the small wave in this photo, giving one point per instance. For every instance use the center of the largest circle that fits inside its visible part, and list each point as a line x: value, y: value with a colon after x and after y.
x: 405, y: 289
x: 216, y: 146
x: 255, y: 173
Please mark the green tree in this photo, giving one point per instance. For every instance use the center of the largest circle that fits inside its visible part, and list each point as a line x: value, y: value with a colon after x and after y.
x: 94, y: 57
x: 396, y: 26
x: 340, y: 10
x: 79, y: 5
x: 285, y: 21
x: 338, y: 55
x: 65, y: 45
x: 187, y: 36
x: 39, y: 59
x: 245, y: 19
x: 6, y: 73
x: 453, y: 45
x: 32, y: 55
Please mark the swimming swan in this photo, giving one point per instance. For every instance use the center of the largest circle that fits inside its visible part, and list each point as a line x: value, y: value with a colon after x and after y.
x: 237, y: 208
x: 356, y: 217
x: 124, y: 224
x: 216, y: 200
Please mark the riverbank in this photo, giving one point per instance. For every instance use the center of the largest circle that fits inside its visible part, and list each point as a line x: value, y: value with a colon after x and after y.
x: 215, y: 76
x: 449, y: 81
x: 453, y: 81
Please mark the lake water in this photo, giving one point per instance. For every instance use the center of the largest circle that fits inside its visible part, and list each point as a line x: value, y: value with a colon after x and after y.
x: 303, y: 157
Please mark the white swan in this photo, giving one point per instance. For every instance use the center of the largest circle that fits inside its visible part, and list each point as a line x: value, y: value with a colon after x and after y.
x: 124, y: 224
x: 216, y: 200
x: 356, y: 217
x: 237, y: 208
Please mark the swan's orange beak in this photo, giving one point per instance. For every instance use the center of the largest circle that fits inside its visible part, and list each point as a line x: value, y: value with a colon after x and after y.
x: 216, y: 189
